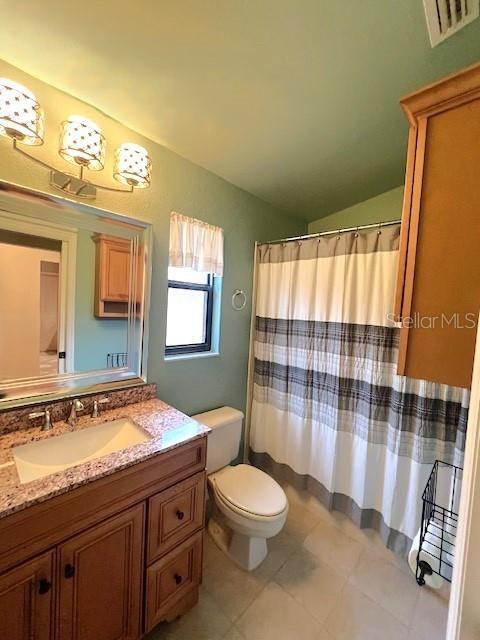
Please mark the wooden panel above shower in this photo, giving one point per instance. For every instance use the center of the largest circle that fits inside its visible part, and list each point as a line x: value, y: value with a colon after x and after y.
x: 438, y: 286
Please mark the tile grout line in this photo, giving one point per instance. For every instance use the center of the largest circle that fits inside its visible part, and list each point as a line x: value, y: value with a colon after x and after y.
x: 391, y: 564
x: 267, y: 582
x: 374, y: 602
x: 306, y: 611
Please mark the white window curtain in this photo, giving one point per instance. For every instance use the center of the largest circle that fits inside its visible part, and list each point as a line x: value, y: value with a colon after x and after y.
x: 195, y: 244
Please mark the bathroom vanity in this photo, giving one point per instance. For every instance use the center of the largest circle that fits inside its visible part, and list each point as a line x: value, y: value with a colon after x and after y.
x: 110, y: 547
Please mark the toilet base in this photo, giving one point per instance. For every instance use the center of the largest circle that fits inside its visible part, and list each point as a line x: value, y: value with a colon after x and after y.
x: 246, y: 551
x: 220, y: 534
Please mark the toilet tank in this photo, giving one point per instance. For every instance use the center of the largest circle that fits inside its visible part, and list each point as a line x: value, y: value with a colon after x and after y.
x: 224, y: 439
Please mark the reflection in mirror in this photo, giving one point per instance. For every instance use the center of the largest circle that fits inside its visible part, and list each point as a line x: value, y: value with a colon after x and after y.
x: 33, y: 306
x: 72, y: 294
x: 29, y: 305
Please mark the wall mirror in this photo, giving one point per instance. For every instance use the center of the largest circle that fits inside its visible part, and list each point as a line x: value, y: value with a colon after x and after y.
x: 74, y: 297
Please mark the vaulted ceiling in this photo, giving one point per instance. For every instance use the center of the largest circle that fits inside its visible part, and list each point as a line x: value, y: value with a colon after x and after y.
x: 295, y: 101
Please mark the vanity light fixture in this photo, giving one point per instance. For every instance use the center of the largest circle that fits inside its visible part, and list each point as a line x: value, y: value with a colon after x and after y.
x: 21, y: 117
x: 132, y: 165
x: 81, y: 144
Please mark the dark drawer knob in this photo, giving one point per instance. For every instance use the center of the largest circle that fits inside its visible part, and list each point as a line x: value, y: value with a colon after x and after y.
x: 44, y: 586
x: 69, y: 571
x: 178, y: 578
x: 180, y: 514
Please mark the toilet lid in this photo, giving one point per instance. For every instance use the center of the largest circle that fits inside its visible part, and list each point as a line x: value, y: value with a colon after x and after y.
x: 251, y: 490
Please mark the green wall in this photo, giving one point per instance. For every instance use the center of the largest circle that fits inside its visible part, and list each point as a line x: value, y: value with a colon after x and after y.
x: 383, y: 208
x: 206, y: 382
x: 199, y: 383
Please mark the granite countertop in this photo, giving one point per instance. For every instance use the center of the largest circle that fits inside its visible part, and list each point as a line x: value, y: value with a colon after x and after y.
x: 168, y: 428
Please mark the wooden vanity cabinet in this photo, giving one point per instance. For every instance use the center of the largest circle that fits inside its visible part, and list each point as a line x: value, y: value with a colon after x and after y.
x: 110, y: 559
x: 27, y: 600
x: 438, y: 284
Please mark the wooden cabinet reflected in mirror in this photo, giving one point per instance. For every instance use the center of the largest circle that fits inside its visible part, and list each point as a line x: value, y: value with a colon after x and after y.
x: 114, y: 278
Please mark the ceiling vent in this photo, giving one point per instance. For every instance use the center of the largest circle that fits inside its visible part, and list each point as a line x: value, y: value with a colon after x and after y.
x: 446, y: 17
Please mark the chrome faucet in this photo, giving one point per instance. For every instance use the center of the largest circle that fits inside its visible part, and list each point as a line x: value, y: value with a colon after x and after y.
x: 47, y: 425
x: 96, y: 406
x: 75, y: 407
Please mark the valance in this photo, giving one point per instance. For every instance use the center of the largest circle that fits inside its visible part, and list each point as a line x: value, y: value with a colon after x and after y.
x: 195, y: 244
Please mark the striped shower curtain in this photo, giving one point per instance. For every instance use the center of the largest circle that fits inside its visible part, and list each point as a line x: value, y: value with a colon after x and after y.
x: 329, y: 413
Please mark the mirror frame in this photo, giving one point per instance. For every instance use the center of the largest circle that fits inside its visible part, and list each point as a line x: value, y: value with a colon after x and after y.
x: 20, y: 201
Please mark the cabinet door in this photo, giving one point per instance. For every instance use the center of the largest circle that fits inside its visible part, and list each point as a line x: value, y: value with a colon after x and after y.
x: 100, y: 580
x: 172, y: 582
x: 440, y: 276
x: 115, y: 270
x: 26, y: 600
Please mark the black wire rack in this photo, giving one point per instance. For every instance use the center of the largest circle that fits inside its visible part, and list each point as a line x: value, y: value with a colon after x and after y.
x: 116, y: 360
x: 438, y: 530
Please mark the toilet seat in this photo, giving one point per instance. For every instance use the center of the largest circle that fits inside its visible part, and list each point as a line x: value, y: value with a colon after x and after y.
x: 234, y: 512
x: 250, y: 492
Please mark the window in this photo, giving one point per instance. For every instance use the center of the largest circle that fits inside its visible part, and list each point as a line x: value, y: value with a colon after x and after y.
x: 195, y: 271
x: 189, y: 314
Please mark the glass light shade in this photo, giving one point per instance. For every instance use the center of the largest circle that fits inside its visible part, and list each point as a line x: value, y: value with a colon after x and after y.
x: 132, y: 166
x: 82, y: 143
x: 21, y: 117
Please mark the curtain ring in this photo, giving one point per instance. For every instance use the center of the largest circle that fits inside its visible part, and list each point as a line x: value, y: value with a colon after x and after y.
x: 243, y: 299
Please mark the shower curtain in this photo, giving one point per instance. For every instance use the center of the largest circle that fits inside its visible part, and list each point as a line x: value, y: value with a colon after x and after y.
x: 329, y: 413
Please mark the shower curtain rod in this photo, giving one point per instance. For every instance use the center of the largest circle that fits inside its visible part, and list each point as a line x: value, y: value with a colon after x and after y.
x: 375, y: 225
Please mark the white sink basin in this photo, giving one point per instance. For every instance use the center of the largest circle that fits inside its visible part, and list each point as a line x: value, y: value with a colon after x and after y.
x: 42, y: 458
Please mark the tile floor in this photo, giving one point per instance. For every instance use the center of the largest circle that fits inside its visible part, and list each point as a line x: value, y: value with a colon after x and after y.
x: 323, y: 579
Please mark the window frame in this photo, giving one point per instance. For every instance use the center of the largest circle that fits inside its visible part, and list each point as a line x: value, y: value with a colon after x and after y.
x: 185, y: 349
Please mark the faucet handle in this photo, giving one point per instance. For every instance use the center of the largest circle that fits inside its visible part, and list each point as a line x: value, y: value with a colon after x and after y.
x: 47, y: 425
x: 75, y: 406
x: 95, y: 410
x: 36, y: 414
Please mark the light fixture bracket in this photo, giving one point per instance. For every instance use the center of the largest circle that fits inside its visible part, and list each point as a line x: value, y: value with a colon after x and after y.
x: 72, y: 185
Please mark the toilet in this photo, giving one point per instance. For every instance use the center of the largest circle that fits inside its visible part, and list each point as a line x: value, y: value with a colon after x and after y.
x: 249, y: 506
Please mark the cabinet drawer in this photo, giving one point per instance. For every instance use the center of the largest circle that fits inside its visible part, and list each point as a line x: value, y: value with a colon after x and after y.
x: 174, y: 515
x: 173, y: 581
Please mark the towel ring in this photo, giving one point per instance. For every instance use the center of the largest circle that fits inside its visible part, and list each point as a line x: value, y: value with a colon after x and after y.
x: 243, y: 299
